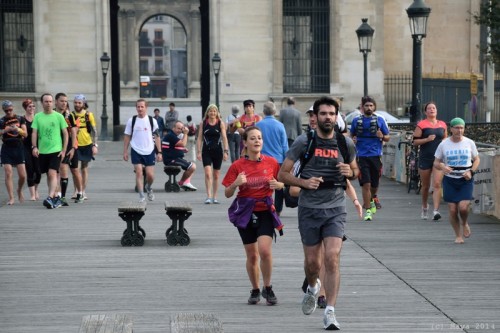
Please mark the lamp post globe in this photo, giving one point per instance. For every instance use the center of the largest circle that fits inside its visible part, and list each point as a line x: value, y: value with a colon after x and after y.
x: 418, y: 13
x: 365, y: 38
x: 105, y: 60
x: 216, y: 62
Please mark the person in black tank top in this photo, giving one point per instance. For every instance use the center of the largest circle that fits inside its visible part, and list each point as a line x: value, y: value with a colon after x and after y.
x: 212, y: 149
x: 428, y: 135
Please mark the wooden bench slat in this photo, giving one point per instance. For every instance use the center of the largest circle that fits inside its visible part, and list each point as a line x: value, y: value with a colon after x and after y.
x: 195, y: 323
x: 177, y: 205
x: 103, y: 323
x: 131, y: 206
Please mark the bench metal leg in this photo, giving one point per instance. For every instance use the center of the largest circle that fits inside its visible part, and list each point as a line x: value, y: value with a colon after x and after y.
x: 134, y: 234
x: 177, y: 234
x: 171, y: 185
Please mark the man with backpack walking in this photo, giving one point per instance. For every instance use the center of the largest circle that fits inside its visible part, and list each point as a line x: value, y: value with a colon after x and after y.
x: 141, y: 132
x: 369, y: 132
x: 87, y: 142
x: 322, y: 205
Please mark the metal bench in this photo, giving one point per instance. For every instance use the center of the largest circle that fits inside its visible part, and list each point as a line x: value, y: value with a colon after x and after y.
x: 172, y: 171
x: 103, y: 323
x: 178, y: 212
x: 131, y: 213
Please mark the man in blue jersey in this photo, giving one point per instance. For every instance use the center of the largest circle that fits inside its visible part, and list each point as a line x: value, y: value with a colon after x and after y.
x: 369, y: 132
x: 275, y: 144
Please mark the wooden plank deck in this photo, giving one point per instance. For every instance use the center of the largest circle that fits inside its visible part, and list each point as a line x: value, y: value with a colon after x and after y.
x: 399, y: 273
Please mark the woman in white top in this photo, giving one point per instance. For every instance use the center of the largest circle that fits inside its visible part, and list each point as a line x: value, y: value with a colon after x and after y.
x: 458, y: 158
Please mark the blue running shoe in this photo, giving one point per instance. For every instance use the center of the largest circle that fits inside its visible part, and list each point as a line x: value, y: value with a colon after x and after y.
x: 48, y: 203
x: 56, y: 202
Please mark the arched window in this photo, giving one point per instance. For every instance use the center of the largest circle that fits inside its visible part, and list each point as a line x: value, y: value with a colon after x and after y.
x: 306, y: 46
x: 163, y: 58
x: 17, y: 69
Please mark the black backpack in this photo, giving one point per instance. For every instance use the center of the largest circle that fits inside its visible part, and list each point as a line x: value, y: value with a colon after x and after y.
x: 293, y: 202
x: 134, y: 118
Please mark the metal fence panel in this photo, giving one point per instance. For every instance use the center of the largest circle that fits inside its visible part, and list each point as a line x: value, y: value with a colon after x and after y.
x: 451, y: 95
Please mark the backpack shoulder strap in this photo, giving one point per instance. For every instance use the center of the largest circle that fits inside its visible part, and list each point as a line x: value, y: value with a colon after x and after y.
x: 87, y: 122
x: 306, y: 156
x: 134, y: 118
x: 151, y: 123
x: 342, y: 144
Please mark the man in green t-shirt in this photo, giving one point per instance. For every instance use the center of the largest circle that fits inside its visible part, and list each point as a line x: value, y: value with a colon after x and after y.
x: 49, y: 142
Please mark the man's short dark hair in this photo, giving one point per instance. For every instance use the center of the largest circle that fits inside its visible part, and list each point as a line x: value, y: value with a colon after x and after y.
x: 369, y: 99
x: 59, y: 95
x: 171, y: 104
x: 325, y: 100
x: 46, y: 94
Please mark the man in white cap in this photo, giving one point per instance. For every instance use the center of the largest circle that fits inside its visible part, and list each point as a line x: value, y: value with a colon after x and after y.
x: 87, y: 142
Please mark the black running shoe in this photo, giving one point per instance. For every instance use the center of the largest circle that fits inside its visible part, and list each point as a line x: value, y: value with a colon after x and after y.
x: 322, y: 302
x: 254, y: 296
x: 304, y: 285
x: 268, y: 294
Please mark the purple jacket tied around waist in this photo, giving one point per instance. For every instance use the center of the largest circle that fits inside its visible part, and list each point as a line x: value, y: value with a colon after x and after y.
x: 241, y: 210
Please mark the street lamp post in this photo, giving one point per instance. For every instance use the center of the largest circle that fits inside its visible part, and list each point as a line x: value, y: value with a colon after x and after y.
x: 105, y: 60
x: 365, y: 38
x: 216, y: 60
x: 418, y: 13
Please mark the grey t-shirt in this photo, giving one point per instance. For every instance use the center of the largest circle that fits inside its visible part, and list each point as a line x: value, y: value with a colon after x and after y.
x: 322, y: 164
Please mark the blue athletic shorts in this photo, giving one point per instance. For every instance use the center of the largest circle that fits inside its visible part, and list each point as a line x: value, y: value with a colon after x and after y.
x: 425, y: 163
x: 457, y: 189
x: 146, y: 160
x: 85, y: 153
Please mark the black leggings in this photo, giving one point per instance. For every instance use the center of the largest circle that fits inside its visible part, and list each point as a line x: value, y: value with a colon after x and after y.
x: 33, y: 173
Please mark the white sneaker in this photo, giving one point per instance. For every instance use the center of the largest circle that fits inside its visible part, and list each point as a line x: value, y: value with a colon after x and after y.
x: 151, y: 195
x: 188, y: 187
x: 330, y: 322
x: 423, y: 215
x: 142, y: 199
x: 309, y: 302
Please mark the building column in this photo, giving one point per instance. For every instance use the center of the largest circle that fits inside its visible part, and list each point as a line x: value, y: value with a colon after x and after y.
x: 194, y: 54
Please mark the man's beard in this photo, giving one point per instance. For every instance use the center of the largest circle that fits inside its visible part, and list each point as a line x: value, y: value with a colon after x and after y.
x: 324, y: 128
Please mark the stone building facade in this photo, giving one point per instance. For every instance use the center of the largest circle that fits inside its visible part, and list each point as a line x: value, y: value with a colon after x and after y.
x: 256, y: 41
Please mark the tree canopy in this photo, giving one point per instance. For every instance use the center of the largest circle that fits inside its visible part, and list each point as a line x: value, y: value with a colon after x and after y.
x: 489, y: 16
